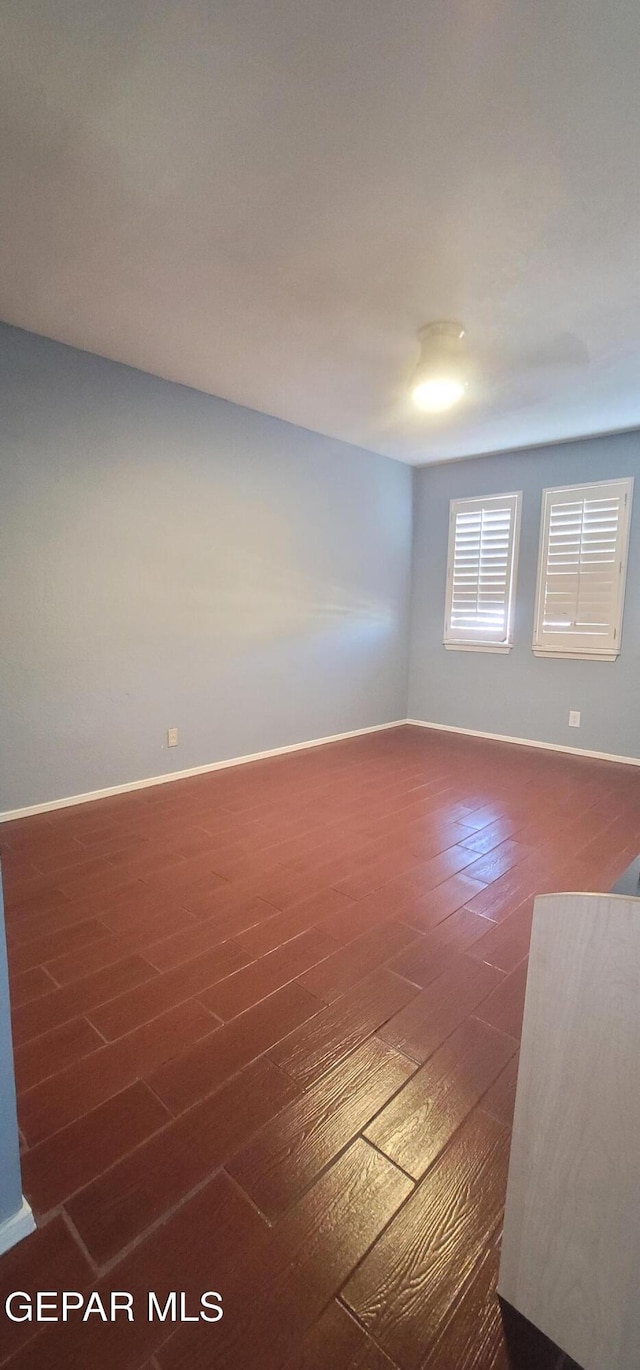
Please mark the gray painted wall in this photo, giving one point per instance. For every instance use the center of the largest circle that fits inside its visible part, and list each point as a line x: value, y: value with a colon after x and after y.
x: 10, y: 1182
x: 522, y: 695
x: 172, y: 560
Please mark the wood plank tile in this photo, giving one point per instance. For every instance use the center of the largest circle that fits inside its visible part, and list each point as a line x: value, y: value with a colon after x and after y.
x: 375, y: 869
x: 506, y: 944
x: 423, y: 960
x: 505, y: 1007
x: 145, y: 915
x: 420, y: 1028
x: 473, y: 1336
x: 419, y: 1121
x: 168, y: 952
x: 46, y: 910
x: 31, y: 984
x: 114, y: 842
x: 337, y: 1340
x: 459, y: 930
x: 49, y: 1259
x: 360, y: 916
x: 261, y: 978
x: 129, y: 894
x: 490, y: 815
x: 204, y: 902
x: 290, y: 1152
x: 176, y: 881
x: 227, y: 1227
x: 88, y: 1082
x: 34, y: 905
x: 207, y: 1064
x: 341, y: 971
x: 173, y: 880
x: 487, y: 839
x: 153, y: 860
x: 76, y: 965
x: 136, y: 937
x: 414, y: 808
x: 304, y: 914
x: 489, y: 866
x: 67, y: 1161
x: 406, y: 888
x: 51, y: 1053
x: 70, y: 857
x: 434, y: 907
x: 236, y: 913
x: 81, y: 883
x: 140, y: 1005
x: 431, y: 835
x: 330, y: 1036
x: 500, y: 1100
x: 58, y: 1007
x: 19, y: 871
x: 148, y: 1182
x: 417, y: 1270
x: 33, y: 952
x: 503, y: 896
x: 299, y: 1267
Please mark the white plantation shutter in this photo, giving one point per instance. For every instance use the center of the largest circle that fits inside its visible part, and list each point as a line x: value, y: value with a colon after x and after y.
x: 581, y: 571
x: 481, y: 572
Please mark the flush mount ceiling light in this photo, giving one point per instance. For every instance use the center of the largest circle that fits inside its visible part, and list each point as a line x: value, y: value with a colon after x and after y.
x: 440, y: 378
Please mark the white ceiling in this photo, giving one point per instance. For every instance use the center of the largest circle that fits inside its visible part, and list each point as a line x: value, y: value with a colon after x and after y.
x: 267, y: 198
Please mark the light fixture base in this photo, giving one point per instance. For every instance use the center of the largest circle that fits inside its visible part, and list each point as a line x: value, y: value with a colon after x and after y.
x: 442, y: 328
x: 440, y: 378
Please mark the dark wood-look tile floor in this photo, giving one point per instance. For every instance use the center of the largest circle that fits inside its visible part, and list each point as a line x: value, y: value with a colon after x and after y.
x: 266, y: 1026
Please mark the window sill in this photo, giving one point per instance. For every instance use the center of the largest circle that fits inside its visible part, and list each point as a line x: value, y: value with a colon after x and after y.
x: 575, y: 656
x: 501, y: 647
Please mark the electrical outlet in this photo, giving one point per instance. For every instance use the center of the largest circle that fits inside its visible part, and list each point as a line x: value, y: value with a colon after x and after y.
x: 574, y: 718
x: 172, y: 737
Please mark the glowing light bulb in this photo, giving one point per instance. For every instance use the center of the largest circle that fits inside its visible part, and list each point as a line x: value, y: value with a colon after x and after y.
x: 438, y: 393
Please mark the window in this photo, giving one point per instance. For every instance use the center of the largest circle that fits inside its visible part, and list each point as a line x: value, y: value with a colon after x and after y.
x: 481, y: 573
x: 582, y: 569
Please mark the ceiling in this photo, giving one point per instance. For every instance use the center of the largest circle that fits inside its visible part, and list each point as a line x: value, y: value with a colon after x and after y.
x: 265, y: 199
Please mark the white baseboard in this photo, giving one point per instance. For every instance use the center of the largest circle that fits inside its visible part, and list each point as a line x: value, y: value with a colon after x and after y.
x: 525, y: 742
x: 15, y: 1228
x: 10, y: 814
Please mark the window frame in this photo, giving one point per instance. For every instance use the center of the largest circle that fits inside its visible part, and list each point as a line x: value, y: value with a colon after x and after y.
x: 566, y: 650
x: 457, y: 644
